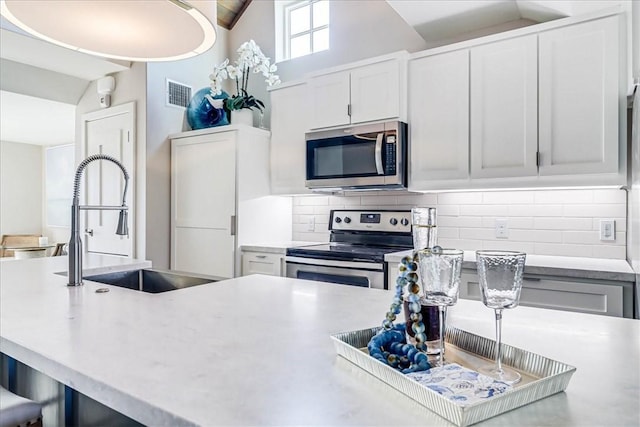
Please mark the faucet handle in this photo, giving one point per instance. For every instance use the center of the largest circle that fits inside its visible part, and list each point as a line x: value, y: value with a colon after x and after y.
x: 89, y: 231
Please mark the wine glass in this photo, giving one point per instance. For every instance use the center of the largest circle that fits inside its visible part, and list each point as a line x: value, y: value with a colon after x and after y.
x: 500, y: 279
x: 440, y: 271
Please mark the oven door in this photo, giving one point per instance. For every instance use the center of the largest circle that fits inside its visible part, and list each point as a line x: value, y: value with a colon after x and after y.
x: 351, y: 273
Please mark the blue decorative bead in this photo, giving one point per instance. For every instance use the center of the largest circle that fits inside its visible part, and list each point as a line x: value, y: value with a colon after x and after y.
x: 387, y: 324
x: 420, y: 337
x: 412, y: 276
x: 417, y: 327
x: 401, y: 281
x: 413, y: 298
x: 416, y: 317
x: 420, y: 357
x: 412, y: 352
x: 414, y: 307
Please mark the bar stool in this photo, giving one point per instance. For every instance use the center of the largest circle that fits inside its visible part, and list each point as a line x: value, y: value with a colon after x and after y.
x: 16, y: 411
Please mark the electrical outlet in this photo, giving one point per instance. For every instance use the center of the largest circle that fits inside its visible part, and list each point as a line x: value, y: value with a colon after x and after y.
x: 311, y: 224
x: 502, y: 228
x: 607, y: 229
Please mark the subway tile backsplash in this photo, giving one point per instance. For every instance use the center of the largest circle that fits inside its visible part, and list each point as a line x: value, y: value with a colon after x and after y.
x: 543, y: 222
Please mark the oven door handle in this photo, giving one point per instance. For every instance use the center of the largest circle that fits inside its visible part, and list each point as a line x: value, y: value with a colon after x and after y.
x: 373, y: 266
x: 379, y: 167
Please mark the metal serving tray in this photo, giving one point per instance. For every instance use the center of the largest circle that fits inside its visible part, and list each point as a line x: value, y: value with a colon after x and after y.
x: 541, y: 377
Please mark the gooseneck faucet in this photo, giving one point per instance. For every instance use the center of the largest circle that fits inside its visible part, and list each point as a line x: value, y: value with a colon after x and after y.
x: 75, y: 242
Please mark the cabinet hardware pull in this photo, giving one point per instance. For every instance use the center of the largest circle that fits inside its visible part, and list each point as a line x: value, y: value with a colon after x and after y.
x: 349, y: 110
x: 233, y: 225
x: 261, y: 256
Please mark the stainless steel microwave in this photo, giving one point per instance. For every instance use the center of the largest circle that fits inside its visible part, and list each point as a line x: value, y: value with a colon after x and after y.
x: 358, y: 157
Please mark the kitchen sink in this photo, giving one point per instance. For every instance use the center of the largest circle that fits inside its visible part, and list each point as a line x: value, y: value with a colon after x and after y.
x: 151, y: 280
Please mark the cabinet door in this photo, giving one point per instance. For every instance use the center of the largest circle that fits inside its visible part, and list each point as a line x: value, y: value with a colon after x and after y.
x: 289, y: 122
x: 559, y: 294
x: 329, y: 96
x: 203, y: 204
x: 375, y: 92
x: 439, y: 118
x: 504, y: 108
x: 579, y: 87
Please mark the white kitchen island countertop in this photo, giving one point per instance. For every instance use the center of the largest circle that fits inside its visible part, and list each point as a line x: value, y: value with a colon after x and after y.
x: 256, y: 351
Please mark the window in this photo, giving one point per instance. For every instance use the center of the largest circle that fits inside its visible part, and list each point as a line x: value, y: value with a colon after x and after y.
x: 59, y: 172
x: 307, y: 27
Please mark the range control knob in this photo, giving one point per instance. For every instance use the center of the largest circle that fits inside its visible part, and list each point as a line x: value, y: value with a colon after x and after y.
x: 347, y: 219
x: 393, y: 221
x: 404, y: 221
x: 338, y: 220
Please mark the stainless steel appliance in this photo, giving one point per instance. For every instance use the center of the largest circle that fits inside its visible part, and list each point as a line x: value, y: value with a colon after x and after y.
x: 358, y: 157
x: 354, y: 256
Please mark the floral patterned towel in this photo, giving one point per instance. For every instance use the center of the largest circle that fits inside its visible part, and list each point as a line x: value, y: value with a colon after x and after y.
x: 459, y: 384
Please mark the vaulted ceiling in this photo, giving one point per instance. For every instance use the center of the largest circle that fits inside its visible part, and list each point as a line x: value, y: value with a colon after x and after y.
x: 230, y: 11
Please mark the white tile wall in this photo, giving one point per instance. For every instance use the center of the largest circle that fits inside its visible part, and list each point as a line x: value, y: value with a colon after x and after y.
x: 543, y: 222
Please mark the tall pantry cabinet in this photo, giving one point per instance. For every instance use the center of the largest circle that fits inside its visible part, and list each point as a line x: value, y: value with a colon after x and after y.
x: 220, y: 198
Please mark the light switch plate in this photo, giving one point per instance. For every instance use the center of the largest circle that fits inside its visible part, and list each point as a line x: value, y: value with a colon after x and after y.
x: 607, y: 229
x: 502, y: 228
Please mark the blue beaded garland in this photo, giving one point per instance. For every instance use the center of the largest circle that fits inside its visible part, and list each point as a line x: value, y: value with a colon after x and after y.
x: 389, y: 345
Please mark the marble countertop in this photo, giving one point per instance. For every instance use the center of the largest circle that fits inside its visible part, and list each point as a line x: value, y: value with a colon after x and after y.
x: 256, y: 351
x: 585, y: 268
x: 276, y: 248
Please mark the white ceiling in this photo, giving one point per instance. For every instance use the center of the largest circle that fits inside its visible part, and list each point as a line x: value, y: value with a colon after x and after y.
x: 440, y: 21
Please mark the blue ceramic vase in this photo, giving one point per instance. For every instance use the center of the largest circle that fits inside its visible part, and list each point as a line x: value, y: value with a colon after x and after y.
x: 202, y: 114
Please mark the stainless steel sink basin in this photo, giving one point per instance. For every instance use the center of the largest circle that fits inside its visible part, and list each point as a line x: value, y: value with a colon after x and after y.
x: 151, y: 280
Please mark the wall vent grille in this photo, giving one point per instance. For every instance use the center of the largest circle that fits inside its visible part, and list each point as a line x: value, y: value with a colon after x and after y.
x: 178, y: 94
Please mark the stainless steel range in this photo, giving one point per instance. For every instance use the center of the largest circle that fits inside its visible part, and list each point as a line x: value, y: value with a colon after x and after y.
x: 355, y: 254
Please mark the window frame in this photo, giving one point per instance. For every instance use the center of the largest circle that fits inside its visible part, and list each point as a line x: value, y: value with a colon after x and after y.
x: 288, y: 9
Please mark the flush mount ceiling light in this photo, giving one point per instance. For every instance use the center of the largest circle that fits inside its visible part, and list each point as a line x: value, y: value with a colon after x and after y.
x: 132, y: 30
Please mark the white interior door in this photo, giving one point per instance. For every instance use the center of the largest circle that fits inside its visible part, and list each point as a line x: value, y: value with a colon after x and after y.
x: 108, y: 132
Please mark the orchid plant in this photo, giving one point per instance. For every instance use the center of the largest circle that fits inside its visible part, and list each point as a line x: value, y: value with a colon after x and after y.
x: 250, y: 59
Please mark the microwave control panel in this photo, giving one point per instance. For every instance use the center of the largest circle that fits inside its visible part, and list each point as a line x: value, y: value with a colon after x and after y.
x: 390, y: 155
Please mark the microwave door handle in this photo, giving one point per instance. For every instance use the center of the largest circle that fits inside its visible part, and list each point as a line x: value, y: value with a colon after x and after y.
x: 379, y: 167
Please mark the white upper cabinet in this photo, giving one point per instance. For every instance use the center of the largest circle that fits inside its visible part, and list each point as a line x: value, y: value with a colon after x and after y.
x: 438, y: 118
x: 504, y: 116
x: 360, y: 94
x: 375, y: 92
x: 537, y: 106
x: 579, y: 96
x: 289, y: 122
x: 330, y: 99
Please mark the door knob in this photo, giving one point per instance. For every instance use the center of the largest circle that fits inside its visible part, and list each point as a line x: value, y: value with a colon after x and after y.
x: 89, y: 231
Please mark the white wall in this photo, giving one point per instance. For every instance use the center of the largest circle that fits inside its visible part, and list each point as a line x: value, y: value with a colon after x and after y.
x: 21, y: 181
x: 359, y: 30
x: 145, y: 84
x: 163, y: 120
x: 543, y: 222
x: 130, y: 86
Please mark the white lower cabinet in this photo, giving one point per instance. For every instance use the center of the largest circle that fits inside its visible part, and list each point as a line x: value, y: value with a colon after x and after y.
x: 262, y: 263
x: 564, y: 293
